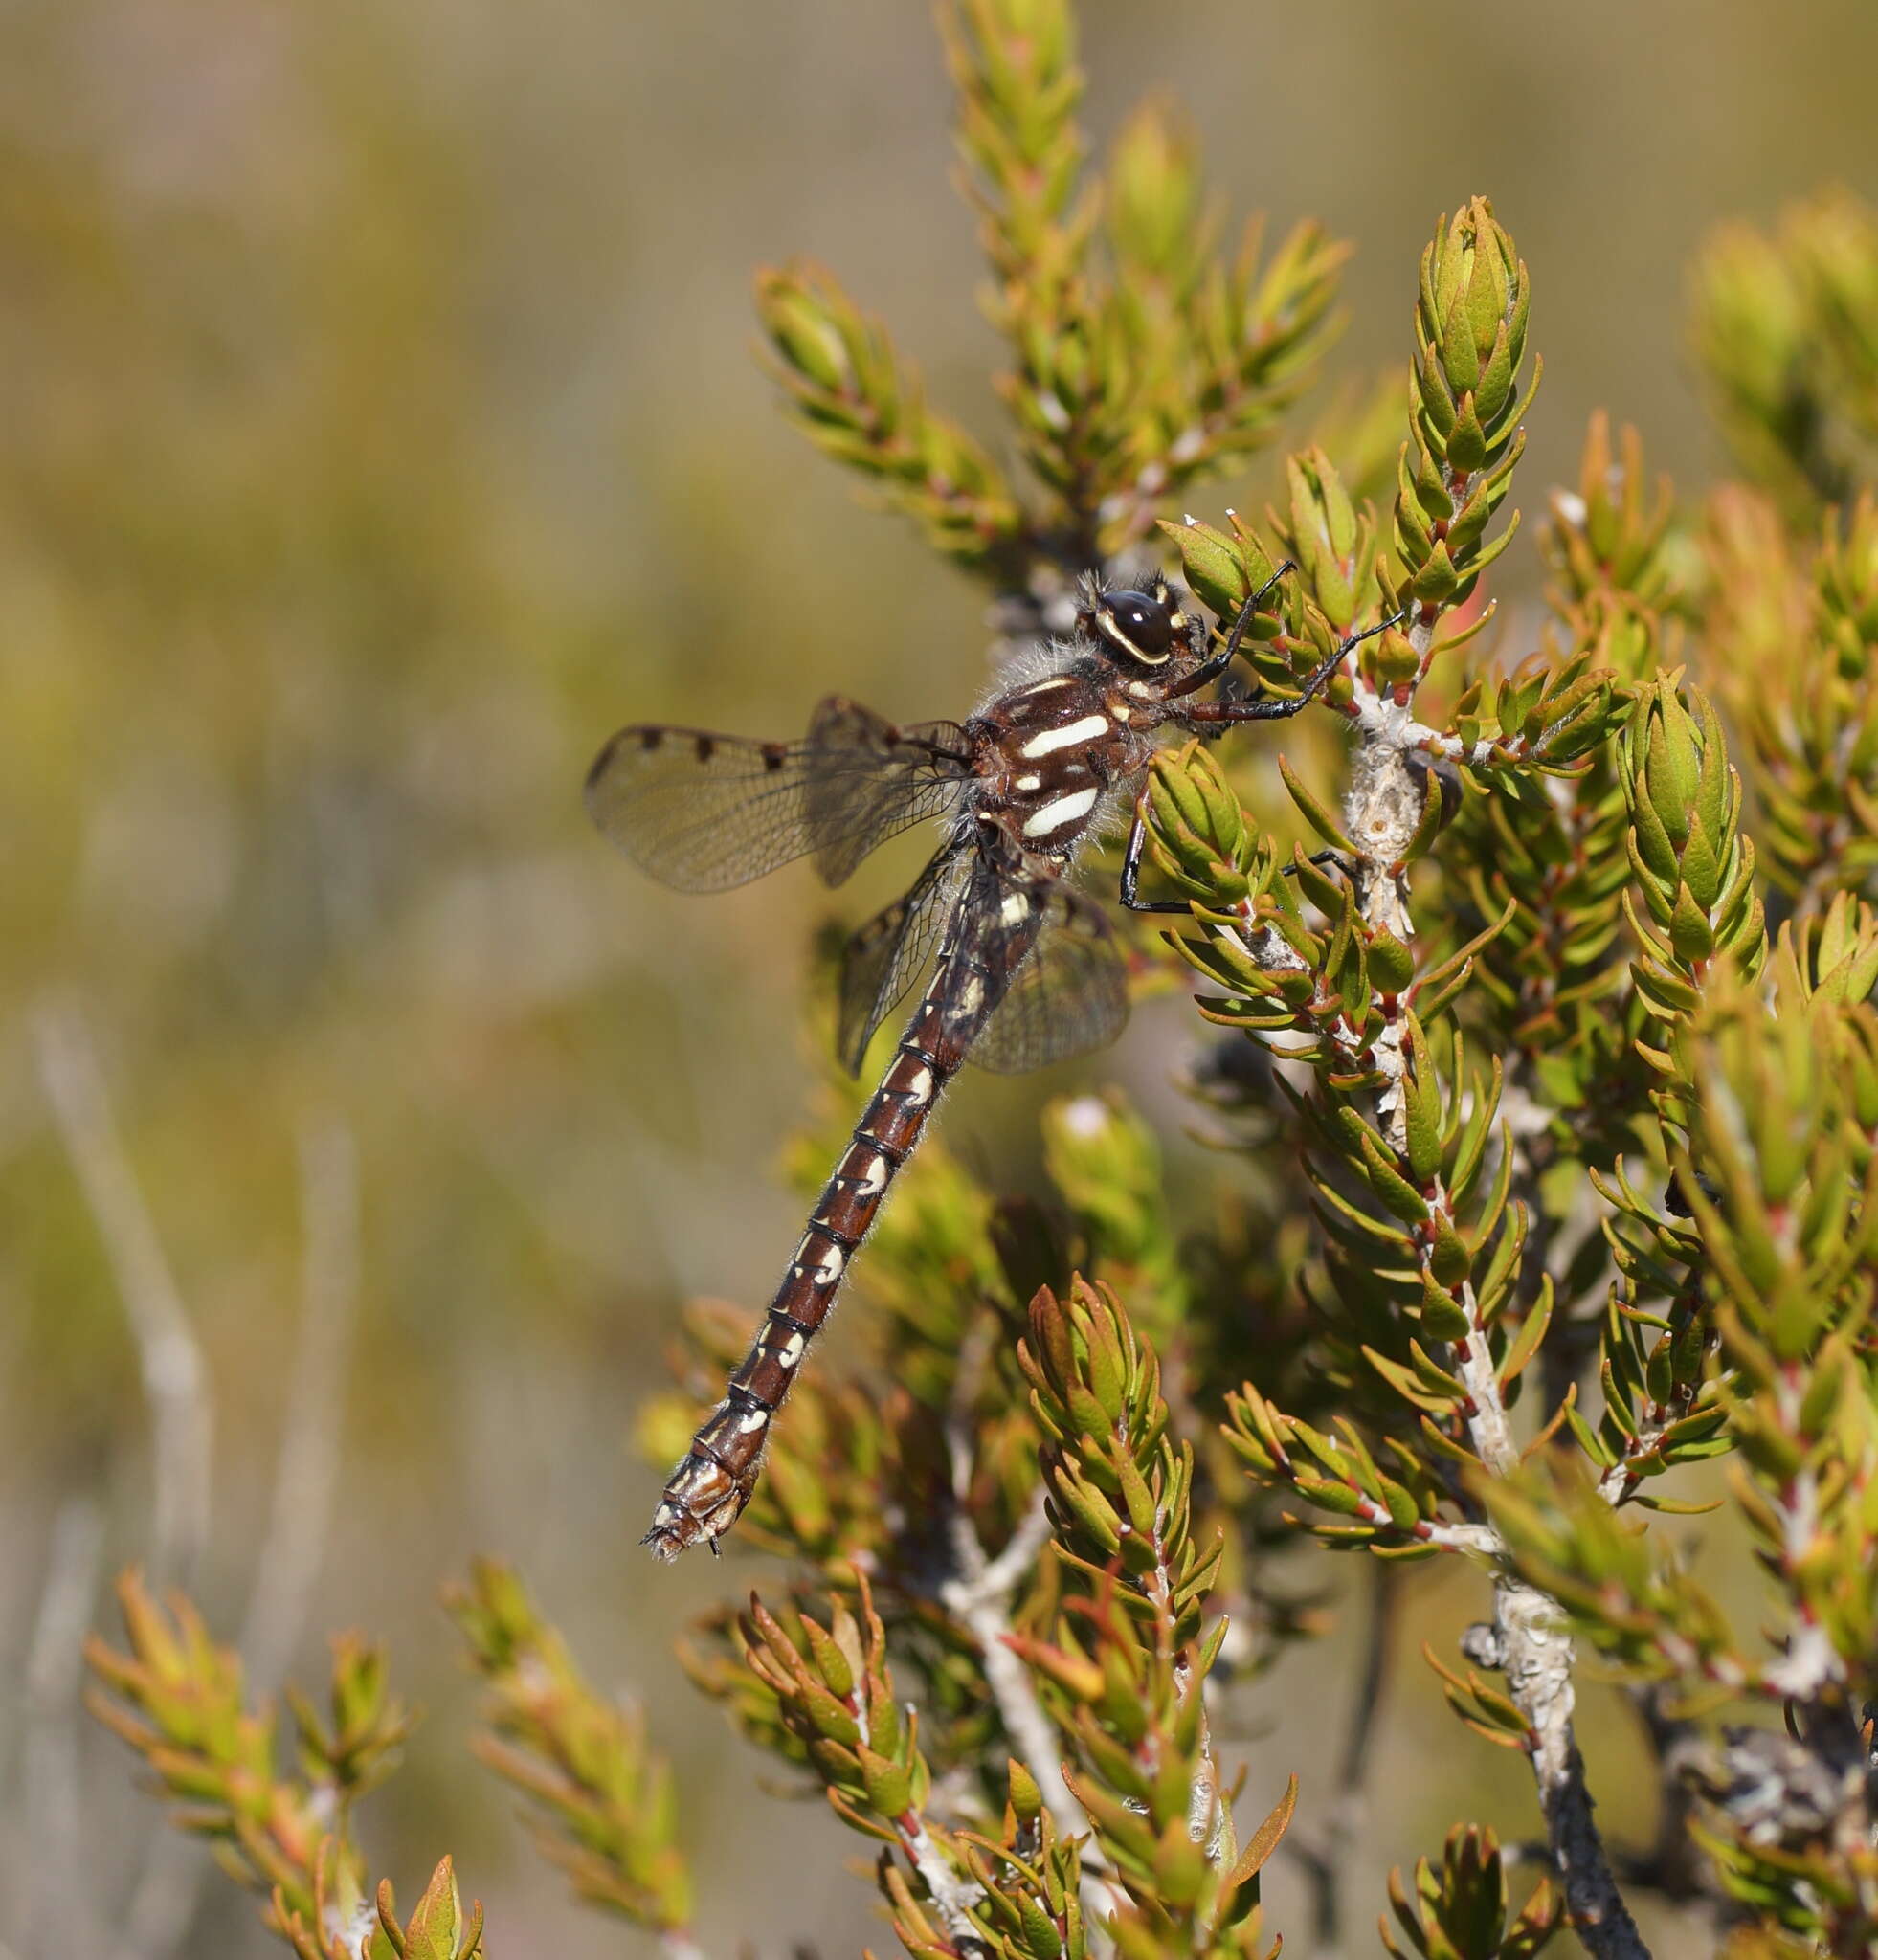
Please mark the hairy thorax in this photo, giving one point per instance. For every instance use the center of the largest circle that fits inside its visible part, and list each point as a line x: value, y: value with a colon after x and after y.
x: 1047, y: 752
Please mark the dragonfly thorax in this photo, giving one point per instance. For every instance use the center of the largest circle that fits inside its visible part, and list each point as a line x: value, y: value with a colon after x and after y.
x: 1048, y: 751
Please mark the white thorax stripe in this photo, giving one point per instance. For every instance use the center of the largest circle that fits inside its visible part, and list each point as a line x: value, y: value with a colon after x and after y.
x: 1064, y: 809
x: 1087, y: 730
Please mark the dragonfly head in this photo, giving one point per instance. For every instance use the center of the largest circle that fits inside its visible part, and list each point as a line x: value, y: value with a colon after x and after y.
x: 1147, y: 630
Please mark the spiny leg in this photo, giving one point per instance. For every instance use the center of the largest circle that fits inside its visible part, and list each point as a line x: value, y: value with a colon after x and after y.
x: 1221, y: 713
x: 1215, y: 664
x: 1218, y: 713
x: 1132, y: 869
x: 1319, y: 858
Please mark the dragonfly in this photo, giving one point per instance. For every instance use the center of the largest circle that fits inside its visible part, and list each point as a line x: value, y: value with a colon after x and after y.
x: 1024, y: 967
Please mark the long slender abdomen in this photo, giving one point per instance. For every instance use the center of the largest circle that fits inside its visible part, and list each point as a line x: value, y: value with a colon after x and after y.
x: 708, y: 1490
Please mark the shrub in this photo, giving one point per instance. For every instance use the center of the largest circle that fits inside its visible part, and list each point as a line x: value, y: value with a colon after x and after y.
x: 1552, y: 1091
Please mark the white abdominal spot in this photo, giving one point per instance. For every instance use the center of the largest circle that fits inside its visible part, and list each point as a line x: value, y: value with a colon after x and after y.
x: 875, y: 1179
x: 1087, y: 730
x: 1066, y: 809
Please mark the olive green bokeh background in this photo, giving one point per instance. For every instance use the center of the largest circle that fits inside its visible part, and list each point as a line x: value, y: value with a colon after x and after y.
x: 378, y: 429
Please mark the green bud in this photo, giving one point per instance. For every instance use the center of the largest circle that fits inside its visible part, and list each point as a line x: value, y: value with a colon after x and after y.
x: 1392, y: 965
x: 1466, y: 442
x: 831, y: 1663
x: 1026, y: 1796
x: 1181, y: 1867
x: 1335, y: 549
x: 1328, y: 1496
x: 1221, y: 570
x: 439, y: 1928
x: 1442, y: 1316
x: 888, y: 1784
x: 1153, y: 195
x: 1448, y: 1259
x: 803, y: 333
x: 1437, y: 580
x: 1689, y: 930
x: 1393, y: 656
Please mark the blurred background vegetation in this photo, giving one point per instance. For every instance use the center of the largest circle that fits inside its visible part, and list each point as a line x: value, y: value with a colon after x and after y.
x: 378, y: 430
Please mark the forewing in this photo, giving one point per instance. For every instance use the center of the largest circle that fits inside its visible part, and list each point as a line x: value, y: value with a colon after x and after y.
x: 703, y: 812
x: 1070, y: 997
x: 868, y: 780
x: 887, y: 954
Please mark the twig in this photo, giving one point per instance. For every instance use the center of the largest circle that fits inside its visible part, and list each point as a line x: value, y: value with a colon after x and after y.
x: 1811, y: 1662
x: 307, y: 1469
x: 1529, y: 1638
x: 1530, y: 1642
x: 978, y: 1594
x: 176, y: 1380
x: 1209, y: 1814
x: 1322, y: 1855
x: 163, y: 1901
x: 954, y: 1896
x: 175, y: 1385
x: 1482, y: 1540
x: 1026, y: 1546
x: 978, y: 1589
x: 57, y: 1895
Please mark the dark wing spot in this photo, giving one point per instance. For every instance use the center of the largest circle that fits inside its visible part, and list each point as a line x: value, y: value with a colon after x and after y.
x: 651, y: 738
x: 774, y: 755
x: 707, y: 748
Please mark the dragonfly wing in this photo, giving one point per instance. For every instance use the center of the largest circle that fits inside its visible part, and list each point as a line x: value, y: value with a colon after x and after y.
x: 887, y: 954
x: 703, y: 812
x: 1069, y: 997
x: 867, y: 780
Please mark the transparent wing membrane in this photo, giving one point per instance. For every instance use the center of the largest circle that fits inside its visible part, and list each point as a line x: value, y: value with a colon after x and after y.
x: 886, y: 955
x: 702, y: 812
x: 1069, y: 997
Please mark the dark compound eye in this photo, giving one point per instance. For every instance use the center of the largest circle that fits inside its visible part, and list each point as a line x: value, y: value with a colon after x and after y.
x: 1138, y: 623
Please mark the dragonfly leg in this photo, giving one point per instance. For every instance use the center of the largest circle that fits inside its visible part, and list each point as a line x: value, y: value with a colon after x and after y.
x: 1319, y: 858
x: 1220, y: 712
x: 1131, y: 872
x: 1215, y: 664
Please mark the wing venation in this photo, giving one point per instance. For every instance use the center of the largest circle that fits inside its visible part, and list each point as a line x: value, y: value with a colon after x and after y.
x: 703, y: 812
x: 1069, y: 997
